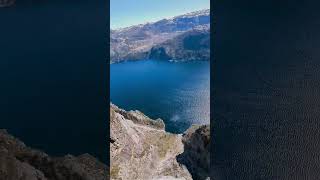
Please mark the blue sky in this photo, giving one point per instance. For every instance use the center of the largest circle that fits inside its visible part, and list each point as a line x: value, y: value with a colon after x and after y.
x: 125, y: 13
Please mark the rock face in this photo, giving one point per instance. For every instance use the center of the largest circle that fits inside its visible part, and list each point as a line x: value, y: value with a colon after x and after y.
x: 191, y: 45
x: 19, y: 162
x: 196, y: 155
x: 141, y: 149
x: 137, y: 42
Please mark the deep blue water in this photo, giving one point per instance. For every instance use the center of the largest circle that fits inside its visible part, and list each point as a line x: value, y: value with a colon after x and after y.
x: 53, y: 76
x: 177, y: 92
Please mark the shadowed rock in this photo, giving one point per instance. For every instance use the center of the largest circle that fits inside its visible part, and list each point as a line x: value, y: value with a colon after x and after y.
x: 19, y: 162
x: 196, y: 155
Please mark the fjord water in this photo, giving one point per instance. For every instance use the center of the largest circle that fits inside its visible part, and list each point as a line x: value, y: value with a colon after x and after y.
x: 177, y: 92
x: 53, y: 76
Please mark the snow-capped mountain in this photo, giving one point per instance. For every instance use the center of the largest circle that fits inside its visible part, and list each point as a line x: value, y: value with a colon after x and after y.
x: 135, y: 41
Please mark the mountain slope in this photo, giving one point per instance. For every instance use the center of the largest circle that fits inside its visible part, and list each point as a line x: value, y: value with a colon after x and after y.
x: 135, y: 42
x: 191, y: 45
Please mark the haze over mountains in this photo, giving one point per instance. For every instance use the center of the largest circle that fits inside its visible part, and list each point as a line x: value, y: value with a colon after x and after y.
x: 184, y: 37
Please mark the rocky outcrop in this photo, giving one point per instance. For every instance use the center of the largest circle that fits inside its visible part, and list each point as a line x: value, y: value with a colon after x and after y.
x: 191, y: 45
x: 196, y: 155
x: 139, y: 118
x: 19, y: 162
x: 140, y: 148
x: 143, y: 151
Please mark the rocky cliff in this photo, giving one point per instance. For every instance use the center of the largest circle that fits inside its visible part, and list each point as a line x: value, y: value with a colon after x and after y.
x: 191, y: 45
x: 196, y: 155
x: 140, y: 148
x: 19, y: 162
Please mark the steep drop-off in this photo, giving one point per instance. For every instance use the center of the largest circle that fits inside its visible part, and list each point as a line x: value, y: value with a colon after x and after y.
x: 191, y: 45
x: 142, y: 149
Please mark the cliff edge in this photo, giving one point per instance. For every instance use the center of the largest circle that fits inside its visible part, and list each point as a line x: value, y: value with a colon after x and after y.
x: 19, y: 162
x: 140, y: 148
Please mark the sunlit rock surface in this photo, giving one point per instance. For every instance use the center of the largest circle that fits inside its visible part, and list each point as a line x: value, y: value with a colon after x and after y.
x: 142, y: 149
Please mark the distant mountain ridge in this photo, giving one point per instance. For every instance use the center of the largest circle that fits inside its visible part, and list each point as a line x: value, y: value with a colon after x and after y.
x: 138, y: 41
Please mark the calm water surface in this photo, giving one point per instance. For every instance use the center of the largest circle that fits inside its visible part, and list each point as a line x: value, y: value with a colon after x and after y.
x: 53, y: 76
x: 177, y: 92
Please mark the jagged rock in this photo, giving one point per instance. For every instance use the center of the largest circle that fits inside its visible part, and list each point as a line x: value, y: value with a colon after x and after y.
x: 13, y: 169
x: 196, y: 155
x: 19, y: 162
x: 143, y: 151
x: 139, y: 118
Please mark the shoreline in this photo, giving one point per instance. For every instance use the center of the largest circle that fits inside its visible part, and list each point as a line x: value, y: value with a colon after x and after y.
x: 170, y: 60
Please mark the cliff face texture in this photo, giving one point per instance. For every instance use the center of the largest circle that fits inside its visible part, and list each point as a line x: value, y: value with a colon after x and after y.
x: 191, y: 45
x: 196, y: 155
x: 142, y: 149
x: 19, y: 162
